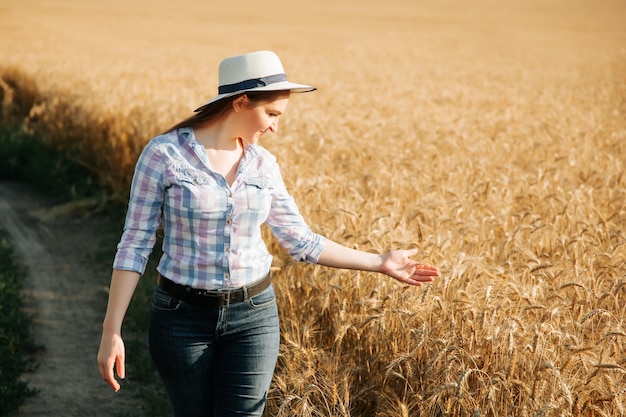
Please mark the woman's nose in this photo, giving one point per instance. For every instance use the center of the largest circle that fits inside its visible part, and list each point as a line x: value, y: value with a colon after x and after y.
x: 274, y: 126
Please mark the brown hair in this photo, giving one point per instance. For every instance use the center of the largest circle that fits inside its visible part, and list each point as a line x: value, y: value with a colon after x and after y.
x: 219, y: 109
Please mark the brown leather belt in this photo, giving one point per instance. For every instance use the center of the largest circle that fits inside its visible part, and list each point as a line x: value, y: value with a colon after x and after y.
x: 213, y: 298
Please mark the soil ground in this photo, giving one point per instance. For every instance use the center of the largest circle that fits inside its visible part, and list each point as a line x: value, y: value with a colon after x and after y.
x: 65, y: 292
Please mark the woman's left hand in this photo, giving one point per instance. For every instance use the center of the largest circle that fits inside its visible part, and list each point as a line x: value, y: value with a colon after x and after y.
x: 397, y: 264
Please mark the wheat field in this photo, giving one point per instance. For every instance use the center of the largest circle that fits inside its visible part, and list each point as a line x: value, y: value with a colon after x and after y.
x: 491, y: 135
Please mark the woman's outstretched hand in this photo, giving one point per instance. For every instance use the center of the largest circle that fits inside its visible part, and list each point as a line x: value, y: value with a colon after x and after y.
x: 397, y: 264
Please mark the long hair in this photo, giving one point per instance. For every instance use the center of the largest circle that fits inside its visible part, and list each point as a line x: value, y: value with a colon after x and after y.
x: 219, y: 109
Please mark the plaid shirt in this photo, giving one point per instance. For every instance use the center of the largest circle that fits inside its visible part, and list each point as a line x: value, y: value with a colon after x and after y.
x: 212, y: 236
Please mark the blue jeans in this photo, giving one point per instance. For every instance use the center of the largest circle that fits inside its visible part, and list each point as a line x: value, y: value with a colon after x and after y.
x: 215, y: 361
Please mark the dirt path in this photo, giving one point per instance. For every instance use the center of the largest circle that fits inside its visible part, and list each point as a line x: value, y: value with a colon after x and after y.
x: 64, y: 290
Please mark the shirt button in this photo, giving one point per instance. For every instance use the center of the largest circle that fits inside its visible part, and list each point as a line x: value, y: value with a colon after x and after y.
x: 227, y: 276
x: 227, y: 249
x: 229, y: 221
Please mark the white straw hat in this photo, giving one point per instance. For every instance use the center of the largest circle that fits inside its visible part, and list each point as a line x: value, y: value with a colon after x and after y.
x: 256, y: 71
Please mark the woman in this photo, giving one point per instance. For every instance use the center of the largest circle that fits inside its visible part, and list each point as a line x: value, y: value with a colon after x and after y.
x: 214, y: 331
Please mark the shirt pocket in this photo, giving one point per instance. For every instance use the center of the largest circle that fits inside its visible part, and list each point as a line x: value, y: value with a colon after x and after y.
x: 258, y: 192
x: 197, y: 191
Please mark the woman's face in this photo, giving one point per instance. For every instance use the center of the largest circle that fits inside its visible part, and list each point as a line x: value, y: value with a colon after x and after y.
x: 256, y: 118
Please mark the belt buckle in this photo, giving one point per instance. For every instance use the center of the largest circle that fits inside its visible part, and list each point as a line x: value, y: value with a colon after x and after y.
x: 224, y: 294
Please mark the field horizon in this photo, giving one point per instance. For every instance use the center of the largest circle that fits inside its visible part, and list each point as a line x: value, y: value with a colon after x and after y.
x: 490, y: 137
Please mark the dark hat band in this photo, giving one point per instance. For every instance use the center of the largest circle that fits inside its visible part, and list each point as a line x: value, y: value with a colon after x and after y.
x: 253, y: 83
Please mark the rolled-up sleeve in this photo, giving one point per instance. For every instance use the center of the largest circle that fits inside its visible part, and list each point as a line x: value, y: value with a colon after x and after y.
x: 289, y: 227
x: 144, y: 214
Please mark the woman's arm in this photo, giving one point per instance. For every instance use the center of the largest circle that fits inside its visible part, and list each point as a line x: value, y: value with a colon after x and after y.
x: 395, y: 263
x: 293, y: 234
x: 112, y: 352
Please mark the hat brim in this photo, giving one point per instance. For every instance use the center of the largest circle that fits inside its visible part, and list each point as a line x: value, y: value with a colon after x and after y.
x: 280, y: 86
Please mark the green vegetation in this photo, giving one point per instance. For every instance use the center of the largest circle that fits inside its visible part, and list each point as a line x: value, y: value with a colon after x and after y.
x: 26, y: 158
x: 16, y: 345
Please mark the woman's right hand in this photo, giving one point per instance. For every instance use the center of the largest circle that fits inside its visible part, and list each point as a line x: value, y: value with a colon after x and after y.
x: 111, y: 358
x: 112, y: 355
